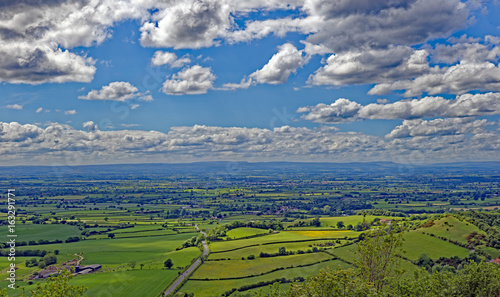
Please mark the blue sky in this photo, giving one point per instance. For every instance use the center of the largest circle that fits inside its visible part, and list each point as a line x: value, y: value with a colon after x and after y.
x: 183, y: 81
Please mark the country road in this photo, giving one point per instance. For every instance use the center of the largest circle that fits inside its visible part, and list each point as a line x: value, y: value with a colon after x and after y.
x: 190, y: 269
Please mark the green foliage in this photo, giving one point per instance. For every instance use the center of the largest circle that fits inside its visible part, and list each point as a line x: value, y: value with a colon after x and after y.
x: 481, y: 280
x: 282, y: 251
x: 168, y: 264
x: 378, y: 255
x: 58, y: 286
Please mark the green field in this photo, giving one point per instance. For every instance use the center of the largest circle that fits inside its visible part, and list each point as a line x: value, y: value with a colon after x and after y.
x: 417, y: 243
x: 244, y: 232
x: 350, y: 220
x: 267, y: 248
x: 216, y: 288
x: 452, y: 228
x: 120, y: 251
x: 27, y: 232
x: 133, y: 283
x: 228, y: 269
x: 283, y: 236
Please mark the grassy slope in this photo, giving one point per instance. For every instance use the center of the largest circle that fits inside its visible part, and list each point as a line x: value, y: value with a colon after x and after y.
x: 452, y: 228
x: 417, y: 243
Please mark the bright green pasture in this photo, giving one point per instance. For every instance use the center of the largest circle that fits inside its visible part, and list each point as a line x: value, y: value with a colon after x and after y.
x: 283, y: 236
x: 181, y: 258
x: 147, y: 283
x: 244, y: 232
x: 216, y: 288
x: 268, y: 248
x: 417, y: 243
x: 126, y: 283
x: 452, y: 228
x: 120, y: 250
x: 347, y: 253
x: 226, y: 269
x: 27, y: 232
x: 350, y: 220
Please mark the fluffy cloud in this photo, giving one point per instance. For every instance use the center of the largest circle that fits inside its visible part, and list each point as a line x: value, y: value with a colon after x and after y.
x: 190, y: 80
x: 378, y: 24
x: 428, y: 107
x: 41, y: 63
x: 339, y: 111
x: 70, y: 112
x: 467, y: 49
x: 448, y: 126
x: 343, y: 25
x: 63, y: 145
x: 371, y: 66
x: 457, y: 79
x: 280, y: 66
x: 116, y: 91
x: 187, y: 24
x: 35, y: 38
x: 167, y: 58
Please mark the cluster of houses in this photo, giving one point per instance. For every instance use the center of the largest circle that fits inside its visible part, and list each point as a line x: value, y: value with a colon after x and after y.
x: 50, y: 270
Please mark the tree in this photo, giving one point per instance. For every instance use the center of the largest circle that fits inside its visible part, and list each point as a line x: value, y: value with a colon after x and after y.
x: 340, y: 224
x: 282, y: 251
x: 132, y: 264
x: 111, y: 235
x: 142, y: 265
x: 331, y: 283
x: 168, y: 263
x: 379, y: 254
x: 425, y: 261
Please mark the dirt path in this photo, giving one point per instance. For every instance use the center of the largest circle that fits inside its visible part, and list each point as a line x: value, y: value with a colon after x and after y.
x: 81, y: 259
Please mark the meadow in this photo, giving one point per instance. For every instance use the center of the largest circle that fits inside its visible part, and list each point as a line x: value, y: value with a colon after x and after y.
x: 217, y: 287
x: 244, y: 232
x: 282, y: 237
x: 416, y: 243
x: 245, y: 268
x: 452, y: 228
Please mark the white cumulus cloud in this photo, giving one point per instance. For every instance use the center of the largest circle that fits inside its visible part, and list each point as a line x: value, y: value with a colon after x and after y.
x: 190, y: 81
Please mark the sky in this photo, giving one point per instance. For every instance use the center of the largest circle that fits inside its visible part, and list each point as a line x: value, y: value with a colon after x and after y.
x: 113, y: 81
